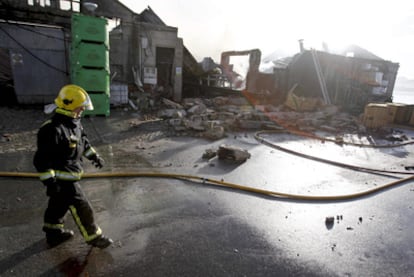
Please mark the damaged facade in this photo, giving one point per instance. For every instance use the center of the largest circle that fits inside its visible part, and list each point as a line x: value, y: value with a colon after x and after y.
x: 146, y: 55
x: 342, y: 80
x: 35, y: 40
x: 350, y: 82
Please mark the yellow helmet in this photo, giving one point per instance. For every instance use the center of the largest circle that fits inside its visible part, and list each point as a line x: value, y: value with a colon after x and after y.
x: 71, y: 97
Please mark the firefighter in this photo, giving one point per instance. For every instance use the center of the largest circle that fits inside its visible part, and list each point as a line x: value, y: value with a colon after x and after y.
x: 61, y: 146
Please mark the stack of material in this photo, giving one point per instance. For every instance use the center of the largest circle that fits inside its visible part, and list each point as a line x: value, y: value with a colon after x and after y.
x: 402, y: 112
x: 378, y: 115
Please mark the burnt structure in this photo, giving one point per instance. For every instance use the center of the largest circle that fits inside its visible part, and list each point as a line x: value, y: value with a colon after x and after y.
x: 347, y: 81
x: 35, y: 40
x: 342, y: 80
x: 35, y: 37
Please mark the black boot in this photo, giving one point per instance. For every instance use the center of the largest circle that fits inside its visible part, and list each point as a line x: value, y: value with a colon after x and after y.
x: 55, y: 237
x: 101, y: 242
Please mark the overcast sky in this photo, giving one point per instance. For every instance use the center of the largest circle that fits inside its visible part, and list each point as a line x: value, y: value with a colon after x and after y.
x: 386, y: 28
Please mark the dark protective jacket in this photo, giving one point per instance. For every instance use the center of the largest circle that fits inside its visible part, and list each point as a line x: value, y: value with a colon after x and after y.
x: 61, y: 144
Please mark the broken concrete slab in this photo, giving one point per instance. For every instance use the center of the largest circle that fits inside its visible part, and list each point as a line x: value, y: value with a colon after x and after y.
x: 172, y: 104
x: 214, y: 132
x: 232, y: 153
x: 197, y: 109
x: 209, y: 154
x: 171, y: 113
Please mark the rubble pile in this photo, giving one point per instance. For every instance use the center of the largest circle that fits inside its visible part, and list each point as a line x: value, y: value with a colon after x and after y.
x: 212, y: 118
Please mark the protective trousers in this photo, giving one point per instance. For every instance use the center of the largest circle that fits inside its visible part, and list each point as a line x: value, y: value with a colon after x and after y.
x: 68, y: 195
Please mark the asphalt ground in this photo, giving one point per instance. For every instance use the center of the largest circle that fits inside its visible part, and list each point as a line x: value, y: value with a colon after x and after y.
x: 173, y: 227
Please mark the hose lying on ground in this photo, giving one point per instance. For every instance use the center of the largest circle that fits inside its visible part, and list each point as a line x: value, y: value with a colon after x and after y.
x: 279, y: 195
x: 208, y: 181
x: 335, y: 163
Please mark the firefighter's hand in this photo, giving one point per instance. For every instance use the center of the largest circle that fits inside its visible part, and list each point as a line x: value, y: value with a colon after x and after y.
x: 52, y: 187
x: 97, y: 161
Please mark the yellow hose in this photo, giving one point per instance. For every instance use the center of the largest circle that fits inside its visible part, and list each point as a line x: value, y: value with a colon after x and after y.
x: 208, y: 181
x: 331, y: 162
x: 275, y: 194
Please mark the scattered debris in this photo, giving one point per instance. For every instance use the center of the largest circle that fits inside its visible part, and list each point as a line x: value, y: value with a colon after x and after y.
x: 300, y: 103
x: 329, y: 220
x: 214, y: 132
x: 212, y: 118
x: 133, y: 106
x: 5, y: 138
x: 209, y: 154
x: 232, y: 153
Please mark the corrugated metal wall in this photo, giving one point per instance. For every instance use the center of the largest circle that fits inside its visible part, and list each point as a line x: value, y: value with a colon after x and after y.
x: 38, y: 60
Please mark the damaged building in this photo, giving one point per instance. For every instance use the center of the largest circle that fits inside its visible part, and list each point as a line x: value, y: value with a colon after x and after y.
x: 146, y: 55
x: 36, y: 39
x: 350, y: 79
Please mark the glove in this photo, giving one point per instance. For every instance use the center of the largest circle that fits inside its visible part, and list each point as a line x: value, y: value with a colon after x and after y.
x: 97, y: 161
x: 52, y: 187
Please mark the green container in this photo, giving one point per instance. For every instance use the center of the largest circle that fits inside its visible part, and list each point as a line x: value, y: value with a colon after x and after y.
x: 92, y: 80
x: 90, y: 55
x: 89, y: 29
x: 100, y: 103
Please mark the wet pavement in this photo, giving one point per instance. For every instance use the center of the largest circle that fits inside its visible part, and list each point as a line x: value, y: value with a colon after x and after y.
x: 171, y: 227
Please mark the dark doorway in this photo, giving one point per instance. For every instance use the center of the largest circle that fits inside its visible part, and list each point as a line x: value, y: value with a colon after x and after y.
x: 165, y: 61
x: 7, y: 94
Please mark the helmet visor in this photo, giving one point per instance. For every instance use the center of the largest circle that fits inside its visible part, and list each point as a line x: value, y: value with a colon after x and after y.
x: 88, y: 103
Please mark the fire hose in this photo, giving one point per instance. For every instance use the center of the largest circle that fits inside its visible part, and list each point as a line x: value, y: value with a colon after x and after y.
x: 275, y: 194
x: 220, y: 183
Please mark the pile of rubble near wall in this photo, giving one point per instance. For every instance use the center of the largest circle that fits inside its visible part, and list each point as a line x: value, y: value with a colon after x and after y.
x: 212, y: 118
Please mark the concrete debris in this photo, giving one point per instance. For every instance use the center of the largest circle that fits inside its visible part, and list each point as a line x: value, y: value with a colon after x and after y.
x: 195, y: 122
x: 209, y: 154
x: 5, y: 138
x: 329, y: 219
x: 172, y: 113
x: 212, y: 118
x: 197, y: 109
x: 302, y: 104
x: 232, y: 153
x: 171, y: 104
x: 214, y: 132
x: 227, y: 153
x: 220, y: 101
x: 397, y: 137
x: 133, y: 106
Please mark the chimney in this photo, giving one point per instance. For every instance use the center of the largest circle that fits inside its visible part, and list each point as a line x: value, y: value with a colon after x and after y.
x: 301, y: 45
